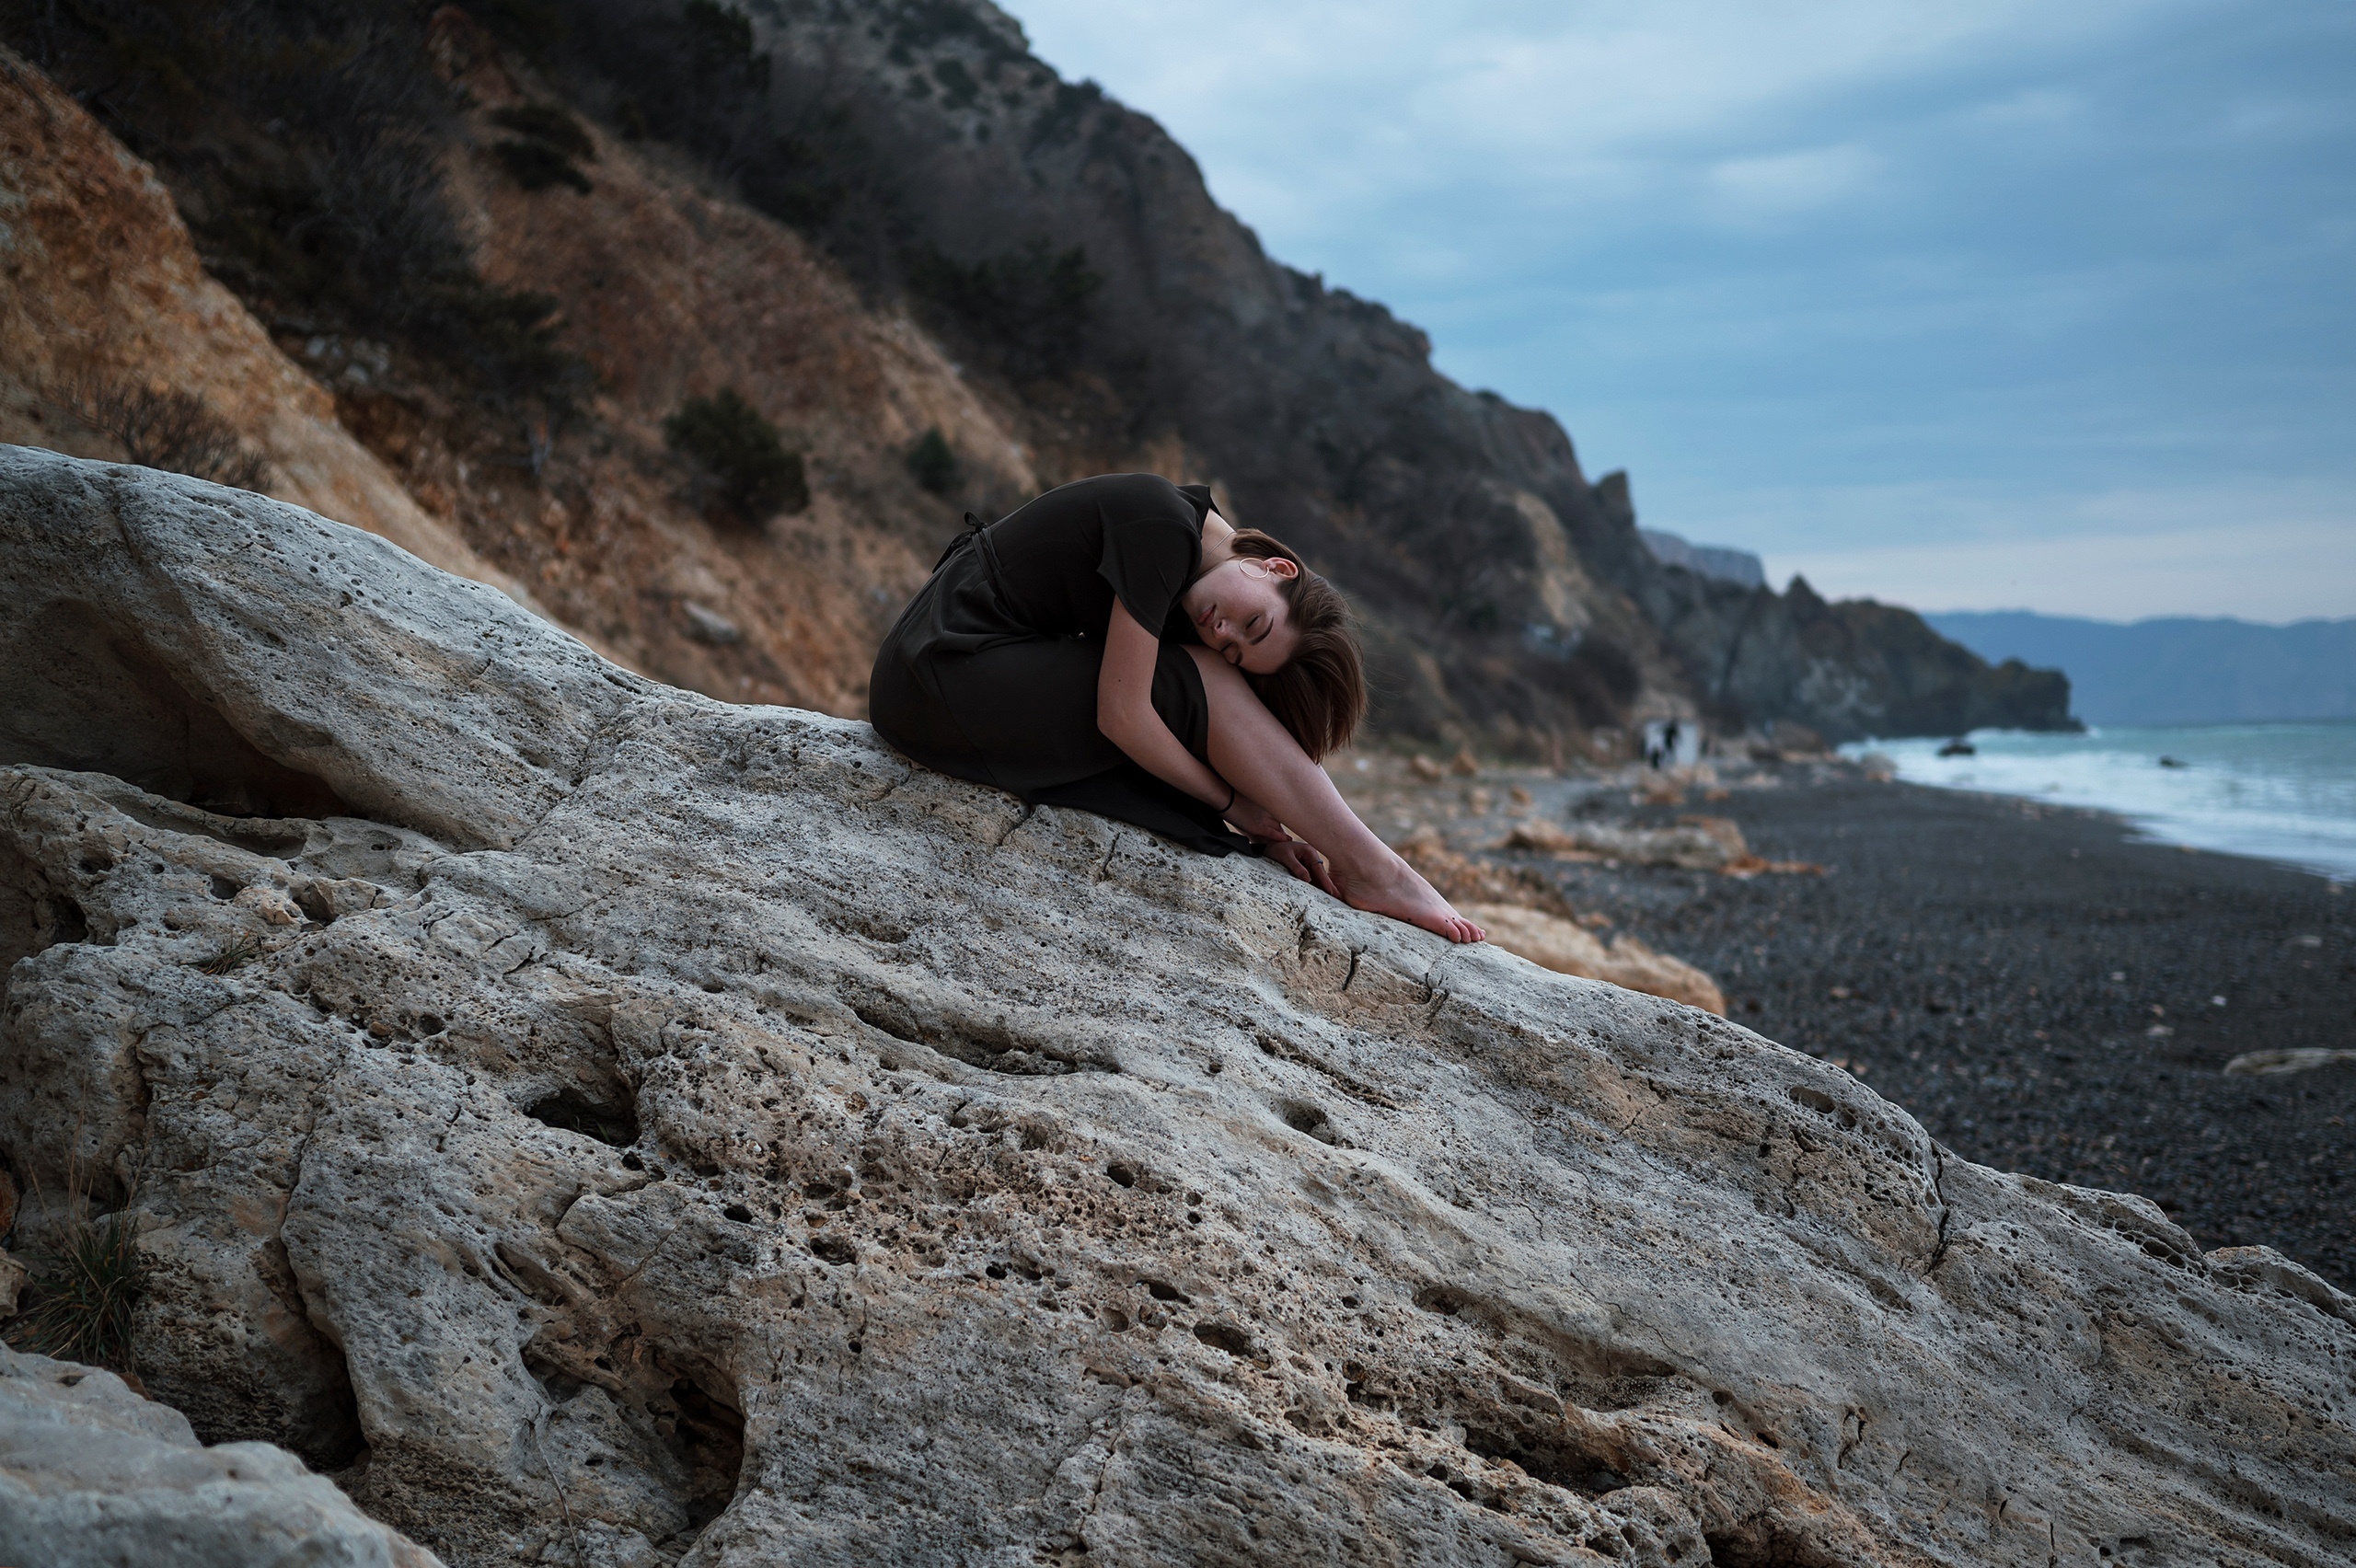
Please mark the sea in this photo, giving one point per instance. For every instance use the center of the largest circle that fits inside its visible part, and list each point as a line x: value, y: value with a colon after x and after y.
x: 2283, y: 792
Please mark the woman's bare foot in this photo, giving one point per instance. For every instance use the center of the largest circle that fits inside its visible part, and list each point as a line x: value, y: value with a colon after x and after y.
x: 1393, y: 887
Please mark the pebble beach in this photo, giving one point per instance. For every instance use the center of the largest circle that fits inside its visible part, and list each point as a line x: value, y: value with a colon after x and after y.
x: 2044, y: 992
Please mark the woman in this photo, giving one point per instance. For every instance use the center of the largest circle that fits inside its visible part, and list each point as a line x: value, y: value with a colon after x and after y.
x: 1117, y: 646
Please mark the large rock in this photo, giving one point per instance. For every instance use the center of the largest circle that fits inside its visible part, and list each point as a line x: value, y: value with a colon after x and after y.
x: 617, y: 1126
x: 93, y: 1476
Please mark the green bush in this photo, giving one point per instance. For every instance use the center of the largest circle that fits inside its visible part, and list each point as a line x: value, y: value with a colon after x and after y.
x: 957, y: 84
x: 720, y: 42
x: 740, y: 454
x: 536, y: 166
x: 548, y: 123
x: 1033, y: 303
x: 933, y: 463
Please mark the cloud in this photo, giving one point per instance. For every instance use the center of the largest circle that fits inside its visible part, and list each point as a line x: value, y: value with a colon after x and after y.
x: 1846, y: 281
x: 2035, y: 107
x: 2279, y: 556
x: 1391, y: 96
x: 1782, y: 185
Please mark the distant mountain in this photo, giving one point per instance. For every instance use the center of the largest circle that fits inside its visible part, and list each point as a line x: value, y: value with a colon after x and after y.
x: 1726, y: 564
x: 2177, y: 670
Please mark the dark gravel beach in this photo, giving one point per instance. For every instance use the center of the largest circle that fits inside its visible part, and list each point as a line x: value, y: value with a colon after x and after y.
x: 2039, y: 989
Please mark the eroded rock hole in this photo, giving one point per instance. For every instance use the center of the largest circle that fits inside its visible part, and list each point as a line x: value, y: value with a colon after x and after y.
x: 832, y: 1247
x: 985, y: 1045
x: 1756, y: 1543
x: 1226, y: 1337
x: 1556, y: 1463
x: 1161, y: 1290
x: 708, y: 1434
x: 884, y: 1013
x: 1303, y: 1117
x: 608, y: 1119
x: 33, y: 917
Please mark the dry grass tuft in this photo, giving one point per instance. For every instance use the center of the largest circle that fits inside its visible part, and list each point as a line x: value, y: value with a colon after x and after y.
x: 78, y: 1301
x: 170, y: 430
x: 234, y: 957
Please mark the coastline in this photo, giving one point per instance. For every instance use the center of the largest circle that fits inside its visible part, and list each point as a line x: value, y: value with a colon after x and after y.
x: 1960, y: 954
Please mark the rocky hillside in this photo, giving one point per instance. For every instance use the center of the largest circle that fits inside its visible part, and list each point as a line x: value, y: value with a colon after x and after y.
x: 513, y: 244
x: 553, y: 479
x: 597, y: 1124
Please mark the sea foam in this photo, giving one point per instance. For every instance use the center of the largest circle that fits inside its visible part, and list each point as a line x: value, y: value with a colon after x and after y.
x: 2283, y: 792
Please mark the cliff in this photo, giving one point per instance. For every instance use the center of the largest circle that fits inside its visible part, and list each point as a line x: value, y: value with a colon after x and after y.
x: 596, y: 1124
x: 1740, y: 568
x: 878, y: 219
x: 565, y: 492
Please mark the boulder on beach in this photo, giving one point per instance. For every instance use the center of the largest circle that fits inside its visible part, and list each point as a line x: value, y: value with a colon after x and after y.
x: 1568, y: 947
x: 596, y: 1124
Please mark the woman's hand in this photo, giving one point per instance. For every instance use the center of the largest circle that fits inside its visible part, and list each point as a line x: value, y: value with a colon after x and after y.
x: 1253, y: 820
x: 1303, y: 863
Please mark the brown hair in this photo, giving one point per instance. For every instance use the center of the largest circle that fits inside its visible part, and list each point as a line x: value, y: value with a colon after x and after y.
x: 1320, y: 693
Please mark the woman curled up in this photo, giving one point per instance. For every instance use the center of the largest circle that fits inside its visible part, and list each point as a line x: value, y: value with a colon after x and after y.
x: 1117, y: 646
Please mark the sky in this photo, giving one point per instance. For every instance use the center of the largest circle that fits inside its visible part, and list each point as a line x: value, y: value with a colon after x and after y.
x: 1973, y: 305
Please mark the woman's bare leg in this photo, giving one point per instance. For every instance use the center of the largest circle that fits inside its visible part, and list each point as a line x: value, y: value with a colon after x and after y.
x: 1258, y: 756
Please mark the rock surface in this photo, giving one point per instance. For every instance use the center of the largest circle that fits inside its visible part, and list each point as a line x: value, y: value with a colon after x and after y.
x: 93, y: 1476
x: 1525, y: 917
x: 610, y: 1127
x: 1567, y: 947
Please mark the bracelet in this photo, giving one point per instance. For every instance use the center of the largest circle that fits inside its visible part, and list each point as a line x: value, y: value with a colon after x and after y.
x: 1231, y: 798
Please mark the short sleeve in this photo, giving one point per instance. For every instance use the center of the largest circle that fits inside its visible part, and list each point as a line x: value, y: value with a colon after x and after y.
x: 1149, y: 561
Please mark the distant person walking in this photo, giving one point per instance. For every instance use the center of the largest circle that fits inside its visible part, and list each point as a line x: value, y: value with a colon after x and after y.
x: 1117, y: 646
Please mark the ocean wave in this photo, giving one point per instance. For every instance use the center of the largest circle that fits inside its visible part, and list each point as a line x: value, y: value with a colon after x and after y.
x: 2283, y: 792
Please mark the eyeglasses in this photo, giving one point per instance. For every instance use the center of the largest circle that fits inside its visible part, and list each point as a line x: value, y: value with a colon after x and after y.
x: 1256, y: 570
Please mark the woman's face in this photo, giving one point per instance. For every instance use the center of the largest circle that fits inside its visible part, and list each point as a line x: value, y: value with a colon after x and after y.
x: 1240, y: 611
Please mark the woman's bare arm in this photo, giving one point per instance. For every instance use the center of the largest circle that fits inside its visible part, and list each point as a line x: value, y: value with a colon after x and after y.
x: 1125, y: 712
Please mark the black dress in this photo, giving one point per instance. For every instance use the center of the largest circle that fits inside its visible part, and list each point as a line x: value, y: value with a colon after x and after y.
x: 990, y: 673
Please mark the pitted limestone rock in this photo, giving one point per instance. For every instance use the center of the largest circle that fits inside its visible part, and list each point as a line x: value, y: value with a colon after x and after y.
x: 675, y: 1131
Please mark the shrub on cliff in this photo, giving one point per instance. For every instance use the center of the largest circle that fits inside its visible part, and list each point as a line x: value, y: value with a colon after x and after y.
x: 303, y: 144
x: 172, y: 429
x: 543, y: 151
x: 1032, y: 305
x: 932, y: 464
x: 536, y: 166
x: 741, y: 460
